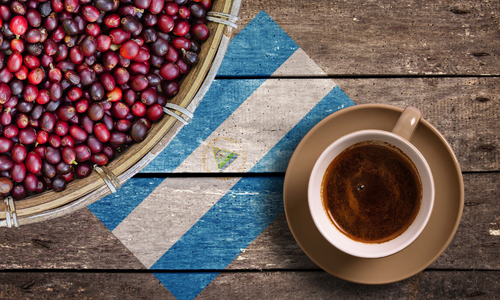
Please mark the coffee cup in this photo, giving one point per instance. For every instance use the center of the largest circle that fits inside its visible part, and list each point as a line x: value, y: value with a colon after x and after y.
x: 371, y: 192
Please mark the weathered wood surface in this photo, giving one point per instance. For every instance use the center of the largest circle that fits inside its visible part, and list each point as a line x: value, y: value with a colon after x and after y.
x: 250, y: 285
x: 354, y: 38
x: 465, y: 111
x: 441, y: 56
x: 320, y: 285
x: 75, y: 241
x: 81, y: 285
x: 80, y: 241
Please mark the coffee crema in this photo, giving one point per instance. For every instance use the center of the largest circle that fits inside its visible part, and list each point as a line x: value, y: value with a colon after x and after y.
x: 372, y: 192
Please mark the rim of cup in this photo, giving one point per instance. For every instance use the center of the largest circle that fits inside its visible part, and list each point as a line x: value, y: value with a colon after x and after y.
x: 330, y: 231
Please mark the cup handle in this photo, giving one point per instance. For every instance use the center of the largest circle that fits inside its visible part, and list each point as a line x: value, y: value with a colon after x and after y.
x: 407, y: 122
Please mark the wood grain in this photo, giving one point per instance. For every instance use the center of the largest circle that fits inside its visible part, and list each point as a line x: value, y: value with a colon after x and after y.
x: 75, y: 241
x: 78, y: 285
x: 320, y: 285
x: 81, y: 241
x: 441, y: 56
x: 464, y: 110
x: 474, y: 246
x: 250, y: 285
x: 390, y: 37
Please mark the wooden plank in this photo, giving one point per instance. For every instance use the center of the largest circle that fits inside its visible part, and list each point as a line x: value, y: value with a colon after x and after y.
x: 81, y: 241
x: 81, y: 285
x: 78, y: 241
x: 464, y: 110
x: 390, y: 37
x: 320, y: 285
x: 248, y: 285
x: 476, y: 243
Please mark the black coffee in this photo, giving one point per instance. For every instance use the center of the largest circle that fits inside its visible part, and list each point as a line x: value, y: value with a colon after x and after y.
x: 372, y: 192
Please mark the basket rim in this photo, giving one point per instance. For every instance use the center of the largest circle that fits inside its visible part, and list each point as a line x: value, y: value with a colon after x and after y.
x: 30, y: 210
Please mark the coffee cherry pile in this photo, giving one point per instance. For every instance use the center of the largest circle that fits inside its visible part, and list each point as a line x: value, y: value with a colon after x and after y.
x: 81, y: 78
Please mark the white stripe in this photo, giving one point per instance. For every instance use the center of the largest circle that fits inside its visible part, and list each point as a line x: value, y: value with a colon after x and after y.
x: 167, y: 214
x: 261, y: 121
x: 299, y: 63
x: 495, y: 232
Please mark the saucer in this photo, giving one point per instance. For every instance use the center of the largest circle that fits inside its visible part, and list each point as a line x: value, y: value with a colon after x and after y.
x: 442, y: 225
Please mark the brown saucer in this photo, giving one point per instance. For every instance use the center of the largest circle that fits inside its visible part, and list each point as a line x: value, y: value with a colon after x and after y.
x: 449, y: 198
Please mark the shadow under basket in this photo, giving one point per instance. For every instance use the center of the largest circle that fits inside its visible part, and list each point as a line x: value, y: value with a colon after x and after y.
x: 107, y: 179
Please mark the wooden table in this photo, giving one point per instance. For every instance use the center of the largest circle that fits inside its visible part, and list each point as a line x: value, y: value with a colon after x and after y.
x: 440, y: 56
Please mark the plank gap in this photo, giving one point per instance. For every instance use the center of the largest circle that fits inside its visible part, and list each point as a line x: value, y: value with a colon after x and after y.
x: 210, y: 175
x: 270, y: 174
x: 226, y: 271
x: 361, y: 76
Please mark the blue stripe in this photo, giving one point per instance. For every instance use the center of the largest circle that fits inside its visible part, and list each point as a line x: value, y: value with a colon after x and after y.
x: 276, y: 160
x: 229, y: 226
x: 114, y: 208
x: 240, y: 215
x: 259, y: 49
x: 186, y: 286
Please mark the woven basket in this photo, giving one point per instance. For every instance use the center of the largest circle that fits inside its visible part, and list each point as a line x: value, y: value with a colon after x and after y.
x: 105, y: 180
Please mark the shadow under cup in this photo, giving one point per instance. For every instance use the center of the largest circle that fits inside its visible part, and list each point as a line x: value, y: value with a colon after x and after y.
x: 321, y: 216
